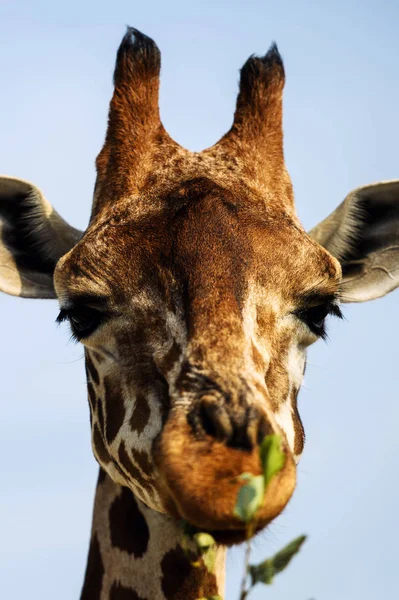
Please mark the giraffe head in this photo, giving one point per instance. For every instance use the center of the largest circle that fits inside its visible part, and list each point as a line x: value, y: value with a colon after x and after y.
x: 196, y: 291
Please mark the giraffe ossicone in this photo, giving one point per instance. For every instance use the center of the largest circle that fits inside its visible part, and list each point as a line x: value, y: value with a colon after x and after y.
x: 195, y: 291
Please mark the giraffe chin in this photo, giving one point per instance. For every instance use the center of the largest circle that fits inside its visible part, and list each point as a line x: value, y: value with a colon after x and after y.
x: 200, y: 485
x: 233, y: 537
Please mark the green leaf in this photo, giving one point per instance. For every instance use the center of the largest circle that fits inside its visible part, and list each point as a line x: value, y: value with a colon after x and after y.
x: 207, y: 548
x: 266, y: 570
x: 284, y: 556
x: 204, y: 541
x: 262, y: 573
x: 209, y: 558
x: 272, y: 457
x: 244, y: 477
x: 250, y: 497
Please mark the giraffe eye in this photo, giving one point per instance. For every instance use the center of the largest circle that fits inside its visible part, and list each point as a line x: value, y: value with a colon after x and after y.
x: 83, y: 320
x: 315, y: 317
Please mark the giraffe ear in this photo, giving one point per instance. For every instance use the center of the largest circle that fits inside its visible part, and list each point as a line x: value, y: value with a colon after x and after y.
x: 363, y: 233
x: 33, y: 237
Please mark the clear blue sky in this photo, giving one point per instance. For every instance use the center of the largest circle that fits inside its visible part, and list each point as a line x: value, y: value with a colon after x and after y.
x: 341, y: 131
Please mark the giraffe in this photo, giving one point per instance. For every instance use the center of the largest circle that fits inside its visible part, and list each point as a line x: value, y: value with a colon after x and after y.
x: 195, y: 291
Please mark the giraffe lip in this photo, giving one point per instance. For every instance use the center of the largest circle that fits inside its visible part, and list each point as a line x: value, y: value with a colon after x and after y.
x: 224, y: 537
x: 232, y: 537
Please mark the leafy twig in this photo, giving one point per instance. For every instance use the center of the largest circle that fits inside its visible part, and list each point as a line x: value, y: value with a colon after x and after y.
x: 266, y: 570
x: 249, y: 499
x: 244, y: 590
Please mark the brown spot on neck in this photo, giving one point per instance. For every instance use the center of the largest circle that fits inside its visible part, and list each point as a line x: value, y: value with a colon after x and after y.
x: 181, y: 581
x: 129, y: 529
x: 94, y: 572
x: 121, y: 593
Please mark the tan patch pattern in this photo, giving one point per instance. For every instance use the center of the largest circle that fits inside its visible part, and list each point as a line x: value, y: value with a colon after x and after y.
x: 131, y: 542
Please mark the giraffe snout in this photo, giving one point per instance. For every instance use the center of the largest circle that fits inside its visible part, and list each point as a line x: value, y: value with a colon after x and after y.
x: 241, y: 427
x: 200, y: 470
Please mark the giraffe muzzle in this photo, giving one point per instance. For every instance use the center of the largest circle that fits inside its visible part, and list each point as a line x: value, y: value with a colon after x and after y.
x: 199, y: 476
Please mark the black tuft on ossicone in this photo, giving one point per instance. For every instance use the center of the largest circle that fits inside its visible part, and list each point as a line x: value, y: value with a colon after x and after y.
x: 137, y: 53
x: 273, y: 57
x: 267, y: 69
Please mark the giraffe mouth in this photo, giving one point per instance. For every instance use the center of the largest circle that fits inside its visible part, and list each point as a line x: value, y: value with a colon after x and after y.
x: 230, y: 536
x: 233, y: 537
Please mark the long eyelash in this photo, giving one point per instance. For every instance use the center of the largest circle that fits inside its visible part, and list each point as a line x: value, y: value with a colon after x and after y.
x: 63, y: 316
x: 73, y: 338
x: 335, y: 310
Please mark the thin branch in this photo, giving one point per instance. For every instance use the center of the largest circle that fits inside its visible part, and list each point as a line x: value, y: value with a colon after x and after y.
x: 244, y: 590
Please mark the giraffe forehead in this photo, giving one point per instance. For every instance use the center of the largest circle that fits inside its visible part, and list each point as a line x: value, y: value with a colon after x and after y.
x: 216, y: 239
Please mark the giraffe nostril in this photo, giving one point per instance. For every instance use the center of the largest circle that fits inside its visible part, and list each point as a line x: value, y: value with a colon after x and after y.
x: 242, y: 427
x: 215, y: 419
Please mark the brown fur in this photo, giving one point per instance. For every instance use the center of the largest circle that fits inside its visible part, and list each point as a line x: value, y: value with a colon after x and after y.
x: 136, y: 550
x: 196, y: 293
x: 180, y: 577
x: 119, y: 592
x: 201, y: 263
x: 202, y: 481
x: 94, y: 572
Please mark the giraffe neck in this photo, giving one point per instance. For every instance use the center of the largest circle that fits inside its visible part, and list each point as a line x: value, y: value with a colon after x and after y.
x: 135, y: 553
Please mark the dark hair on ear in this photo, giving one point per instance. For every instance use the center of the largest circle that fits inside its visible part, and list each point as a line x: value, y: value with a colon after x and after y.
x: 28, y: 232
